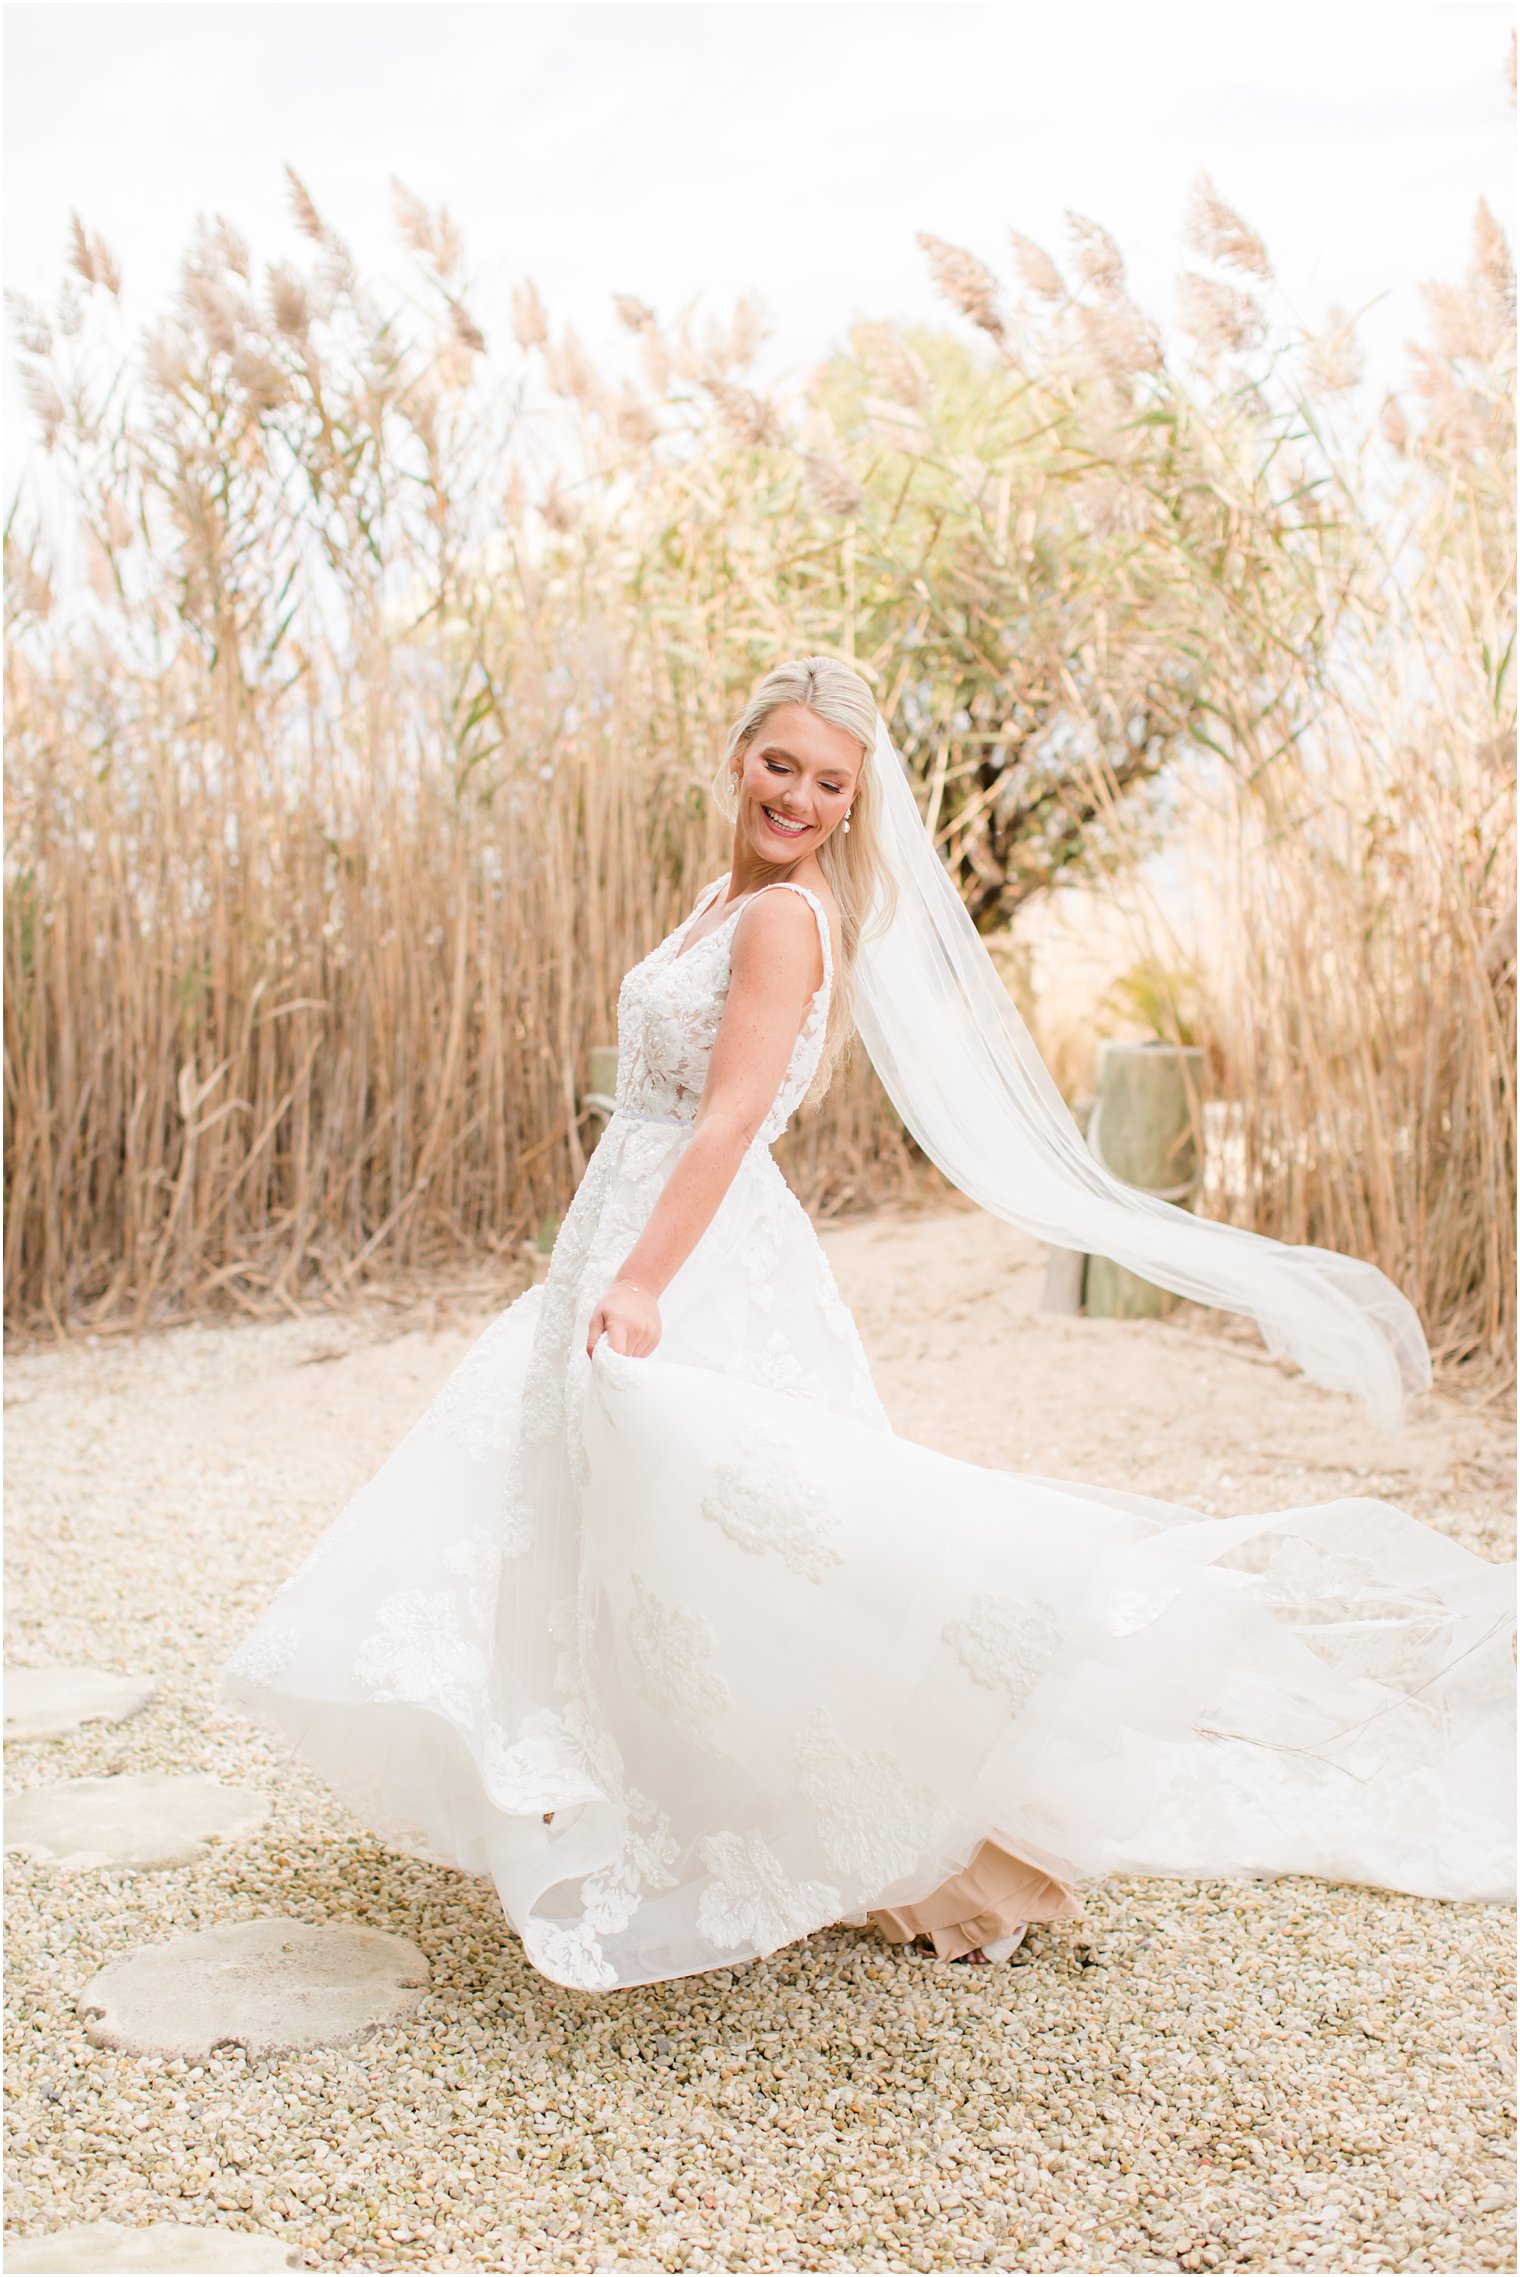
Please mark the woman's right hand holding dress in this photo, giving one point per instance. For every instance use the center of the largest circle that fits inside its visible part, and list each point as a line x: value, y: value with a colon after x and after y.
x: 629, y: 1317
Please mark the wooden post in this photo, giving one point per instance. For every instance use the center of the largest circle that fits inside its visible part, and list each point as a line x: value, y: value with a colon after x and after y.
x: 601, y: 1091
x: 1066, y: 1269
x: 1147, y: 1128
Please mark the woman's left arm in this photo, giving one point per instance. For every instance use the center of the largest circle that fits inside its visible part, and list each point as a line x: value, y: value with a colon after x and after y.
x: 777, y: 964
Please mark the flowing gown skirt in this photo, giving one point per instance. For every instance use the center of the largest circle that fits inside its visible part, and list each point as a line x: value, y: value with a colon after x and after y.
x: 692, y: 1655
x: 770, y: 1666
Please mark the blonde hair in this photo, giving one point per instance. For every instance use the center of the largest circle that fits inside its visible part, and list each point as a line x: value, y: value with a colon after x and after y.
x: 853, y: 860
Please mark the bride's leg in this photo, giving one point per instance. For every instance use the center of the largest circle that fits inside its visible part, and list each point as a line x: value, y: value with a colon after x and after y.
x: 991, y: 1899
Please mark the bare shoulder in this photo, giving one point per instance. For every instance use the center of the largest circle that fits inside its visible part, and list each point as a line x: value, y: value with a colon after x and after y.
x: 776, y: 941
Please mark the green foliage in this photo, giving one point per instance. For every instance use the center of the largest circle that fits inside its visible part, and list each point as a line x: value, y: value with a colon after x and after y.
x: 1162, y: 999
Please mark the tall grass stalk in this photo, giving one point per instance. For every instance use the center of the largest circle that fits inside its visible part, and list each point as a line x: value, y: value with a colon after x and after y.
x: 380, y: 747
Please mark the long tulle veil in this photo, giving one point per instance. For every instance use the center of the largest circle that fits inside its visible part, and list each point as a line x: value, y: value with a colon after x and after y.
x: 963, y: 1072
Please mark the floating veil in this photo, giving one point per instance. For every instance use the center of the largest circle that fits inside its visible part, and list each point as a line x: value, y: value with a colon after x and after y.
x: 962, y: 1070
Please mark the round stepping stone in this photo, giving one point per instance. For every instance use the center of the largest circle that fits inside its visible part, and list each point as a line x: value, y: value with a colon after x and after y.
x: 163, y: 2247
x: 46, y: 1703
x: 266, y: 1985
x: 130, y: 1821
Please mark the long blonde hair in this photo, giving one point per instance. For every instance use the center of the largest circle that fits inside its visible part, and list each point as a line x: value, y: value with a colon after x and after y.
x: 853, y: 860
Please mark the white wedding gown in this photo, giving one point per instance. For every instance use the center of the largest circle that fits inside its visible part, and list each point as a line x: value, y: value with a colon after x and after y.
x: 770, y: 1666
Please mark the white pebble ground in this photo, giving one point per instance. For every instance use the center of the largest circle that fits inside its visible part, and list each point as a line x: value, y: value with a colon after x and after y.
x: 1199, y: 2075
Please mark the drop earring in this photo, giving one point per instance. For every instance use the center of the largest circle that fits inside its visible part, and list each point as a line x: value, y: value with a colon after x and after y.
x: 848, y: 813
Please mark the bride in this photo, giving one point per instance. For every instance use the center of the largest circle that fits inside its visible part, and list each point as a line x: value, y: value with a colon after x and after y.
x: 652, y: 1618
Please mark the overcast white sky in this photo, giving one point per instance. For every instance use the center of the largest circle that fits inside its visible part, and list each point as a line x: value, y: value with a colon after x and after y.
x: 708, y: 148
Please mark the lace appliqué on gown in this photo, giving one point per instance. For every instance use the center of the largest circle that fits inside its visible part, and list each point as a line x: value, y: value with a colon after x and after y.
x: 874, y: 1823
x: 673, y: 1653
x: 266, y: 1654
x: 764, y: 1503
x: 778, y: 1368
x: 419, y: 1653
x: 478, y: 1407
x: 1005, y: 1643
x: 476, y: 1558
x: 752, y: 1904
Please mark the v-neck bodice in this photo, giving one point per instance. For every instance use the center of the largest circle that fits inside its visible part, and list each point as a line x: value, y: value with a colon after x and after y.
x: 670, y: 1007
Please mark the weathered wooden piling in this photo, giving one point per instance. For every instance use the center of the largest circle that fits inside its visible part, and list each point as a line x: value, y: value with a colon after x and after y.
x: 602, y: 1060
x: 1147, y: 1128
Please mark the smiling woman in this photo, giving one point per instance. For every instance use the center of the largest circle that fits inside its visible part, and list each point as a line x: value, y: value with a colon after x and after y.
x: 789, y: 780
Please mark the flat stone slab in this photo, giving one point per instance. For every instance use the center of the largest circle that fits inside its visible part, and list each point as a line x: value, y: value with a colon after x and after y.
x: 266, y: 1985
x: 48, y: 1703
x: 135, y: 1820
x: 166, y: 2247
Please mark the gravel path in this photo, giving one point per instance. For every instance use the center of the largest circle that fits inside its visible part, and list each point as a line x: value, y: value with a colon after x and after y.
x: 1199, y: 2075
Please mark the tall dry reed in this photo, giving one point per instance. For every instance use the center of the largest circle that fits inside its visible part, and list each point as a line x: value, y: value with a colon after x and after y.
x: 1359, y: 1004
x: 381, y: 747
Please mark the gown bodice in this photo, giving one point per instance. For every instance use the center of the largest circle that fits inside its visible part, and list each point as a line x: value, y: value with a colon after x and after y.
x: 670, y: 1007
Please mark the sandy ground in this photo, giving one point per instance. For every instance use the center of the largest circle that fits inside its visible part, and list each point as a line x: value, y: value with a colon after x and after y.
x: 1200, y: 2075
